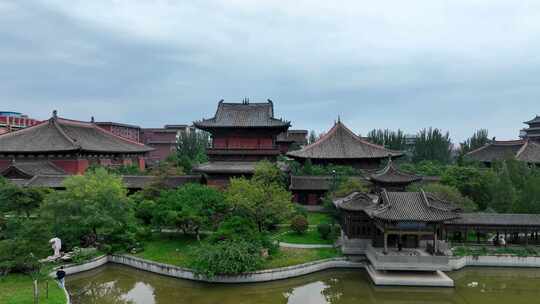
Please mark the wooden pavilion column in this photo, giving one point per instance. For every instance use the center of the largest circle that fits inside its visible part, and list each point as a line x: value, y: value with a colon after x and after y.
x: 385, y: 237
x: 435, y: 240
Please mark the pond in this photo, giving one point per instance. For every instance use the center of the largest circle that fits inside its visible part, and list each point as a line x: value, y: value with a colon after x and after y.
x: 120, y: 284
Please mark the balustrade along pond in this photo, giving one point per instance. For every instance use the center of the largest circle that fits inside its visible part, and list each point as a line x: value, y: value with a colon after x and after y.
x: 123, y: 285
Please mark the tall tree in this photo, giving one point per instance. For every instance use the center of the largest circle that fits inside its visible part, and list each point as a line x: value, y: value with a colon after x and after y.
x: 191, y: 148
x: 394, y: 140
x: 477, y: 140
x: 432, y: 144
x: 504, y: 194
x: 312, y: 137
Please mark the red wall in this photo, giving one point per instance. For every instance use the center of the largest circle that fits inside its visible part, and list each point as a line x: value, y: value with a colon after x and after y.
x: 4, y: 163
x: 235, y: 142
x: 72, y: 166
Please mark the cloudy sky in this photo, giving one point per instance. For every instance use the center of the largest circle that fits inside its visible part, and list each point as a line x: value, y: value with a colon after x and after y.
x: 457, y: 65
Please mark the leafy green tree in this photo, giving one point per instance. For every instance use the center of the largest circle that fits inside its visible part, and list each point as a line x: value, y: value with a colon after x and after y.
x: 348, y: 185
x: 312, y: 137
x: 18, y: 200
x: 477, y: 140
x: 191, y: 148
x: 471, y: 182
x: 394, y: 140
x: 447, y: 193
x: 299, y: 224
x: 529, y: 198
x: 190, y: 208
x: 226, y: 258
x: 267, y: 173
x: 432, y: 144
x: 504, y: 194
x: 259, y: 202
x: 93, y: 210
x: 425, y: 168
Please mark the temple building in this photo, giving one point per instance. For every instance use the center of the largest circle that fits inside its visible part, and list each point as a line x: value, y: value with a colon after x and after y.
x: 163, y: 140
x: 525, y: 150
x: 291, y: 140
x: 533, y: 131
x: 392, y: 179
x: 64, y: 146
x: 340, y: 146
x: 241, y: 134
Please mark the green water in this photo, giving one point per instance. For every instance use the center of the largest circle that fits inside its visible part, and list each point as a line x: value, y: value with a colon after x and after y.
x: 119, y: 284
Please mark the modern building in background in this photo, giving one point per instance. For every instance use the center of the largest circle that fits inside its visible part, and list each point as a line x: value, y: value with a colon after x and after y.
x: 13, y: 121
x: 130, y: 132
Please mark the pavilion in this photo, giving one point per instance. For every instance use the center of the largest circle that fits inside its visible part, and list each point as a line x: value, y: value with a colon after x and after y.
x: 340, y: 146
x: 525, y: 150
x: 391, y: 178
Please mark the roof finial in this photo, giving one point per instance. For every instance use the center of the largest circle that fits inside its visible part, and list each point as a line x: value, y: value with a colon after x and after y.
x: 270, y: 101
x: 338, y: 119
x: 92, y: 119
x: 55, y: 114
x: 221, y: 100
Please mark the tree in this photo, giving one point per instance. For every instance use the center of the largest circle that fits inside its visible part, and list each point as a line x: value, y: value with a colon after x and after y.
x: 348, y: 185
x: 471, y: 182
x: 18, y: 200
x: 190, y: 148
x: 190, y: 208
x: 93, y: 210
x: 504, y: 194
x: 447, y: 193
x: 299, y: 224
x: 262, y: 203
x: 432, y: 144
x: 312, y: 137
x: 394, y: 140
x: 268, y: 173
x: 529, y: 198
x: 477, y: 140
x: 226, y: 258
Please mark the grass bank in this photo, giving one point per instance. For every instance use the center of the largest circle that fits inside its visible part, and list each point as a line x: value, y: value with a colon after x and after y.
x: 18, y: 289
x: 486, y: 251
x: 175, y: 249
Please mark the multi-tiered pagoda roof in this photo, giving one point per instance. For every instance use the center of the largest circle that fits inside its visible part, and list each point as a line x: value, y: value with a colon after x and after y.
x: 243, y: 115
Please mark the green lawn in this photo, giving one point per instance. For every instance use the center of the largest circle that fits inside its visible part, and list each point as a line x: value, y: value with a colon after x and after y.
x: 168, y: 248
x: 311, y: 236
x: 18, y: 289
x: 174, y: 249
x: 316, y: 218
x: 293, y: 256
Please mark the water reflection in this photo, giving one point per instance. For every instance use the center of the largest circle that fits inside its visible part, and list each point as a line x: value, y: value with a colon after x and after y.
x: 121, y: 285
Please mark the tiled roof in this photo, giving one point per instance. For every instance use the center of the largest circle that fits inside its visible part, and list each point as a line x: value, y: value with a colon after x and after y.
x: 535, y: 120
x: 523, y: 150
x: 30, y: 168
x: 226, y: 167
x: 298, y: 136
x: 357, y: 201
x: 233, y: 167
x: 64, y: 135
x: 130, y: 181
x: 412, y: 206
x: 342, y: 143
x: 304, y: 182
x: 496, y: 219
x: 391, y: 174
x: 243, y: 115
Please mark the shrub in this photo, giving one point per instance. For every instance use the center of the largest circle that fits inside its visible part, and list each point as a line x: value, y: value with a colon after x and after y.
x: 299, y: 224
x: 226, y: 257
x: 324, y: 230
